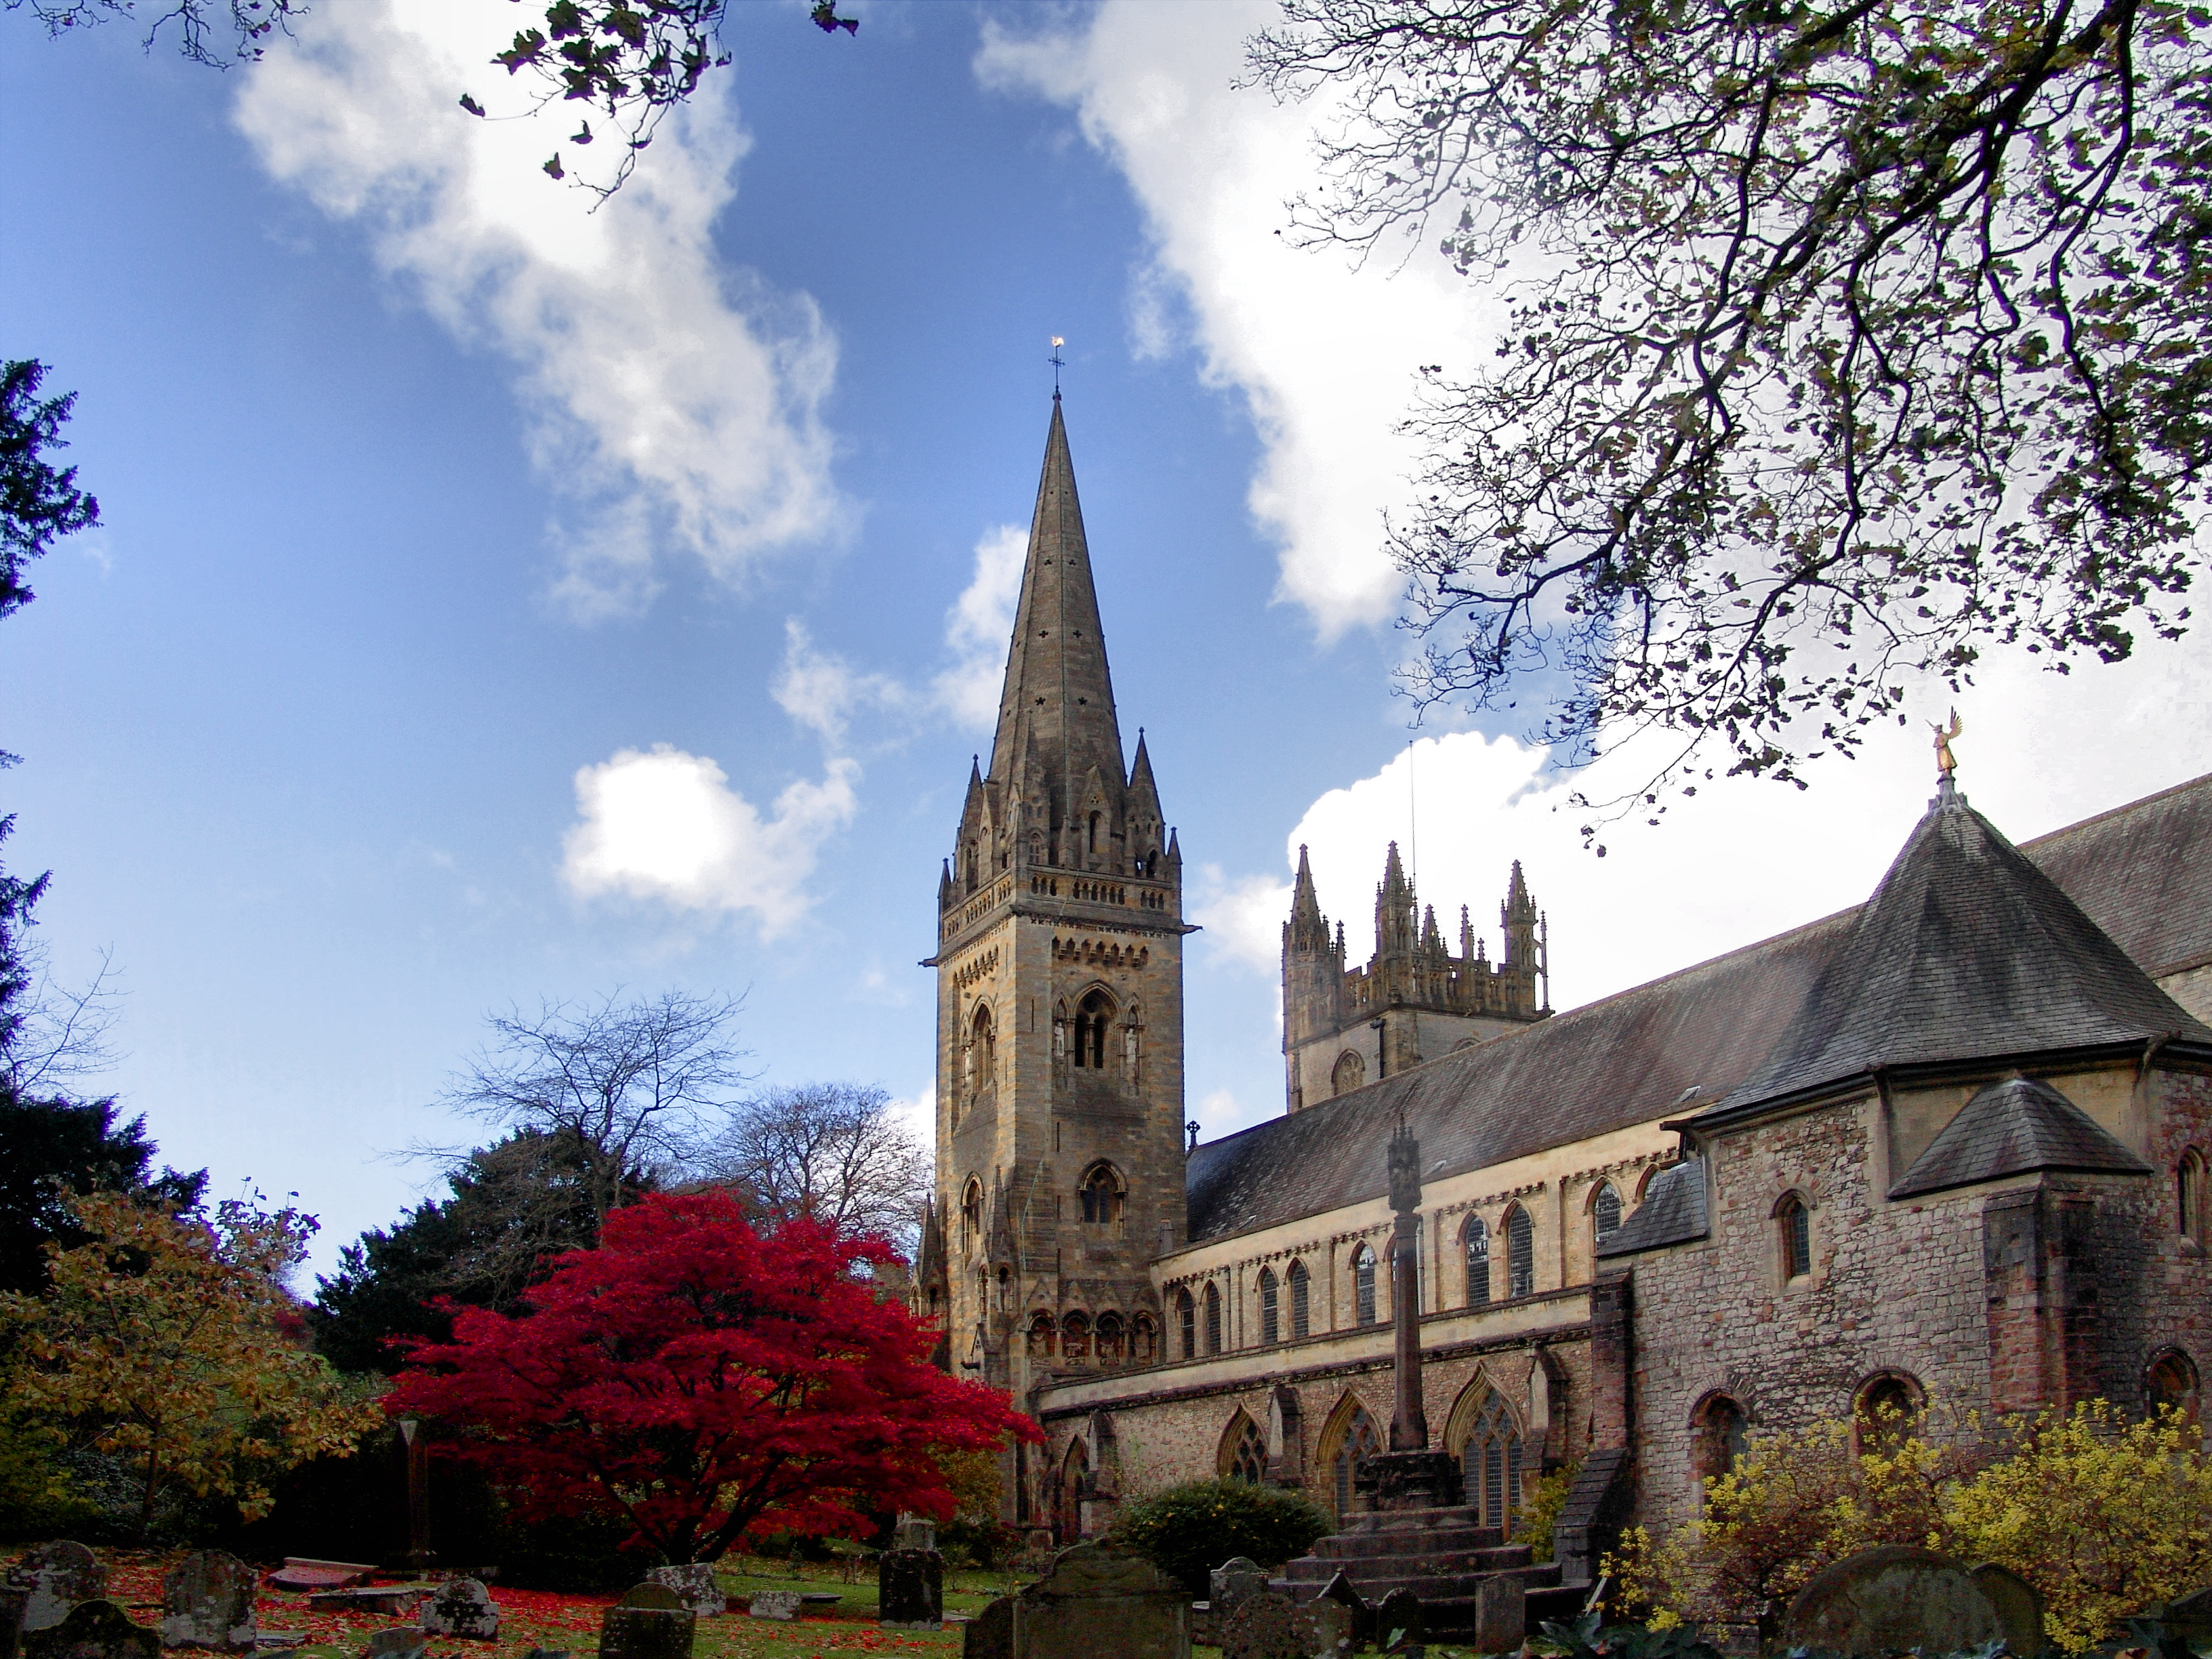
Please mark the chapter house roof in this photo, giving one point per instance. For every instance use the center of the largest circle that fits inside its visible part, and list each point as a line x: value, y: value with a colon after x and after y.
x: 1775, y: 1011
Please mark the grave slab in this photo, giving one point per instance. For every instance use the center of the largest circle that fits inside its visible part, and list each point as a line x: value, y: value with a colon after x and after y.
x: 650, y: 1622
x: 407, y: 1642
x: 462, y: 1607
x: 782, y: 1605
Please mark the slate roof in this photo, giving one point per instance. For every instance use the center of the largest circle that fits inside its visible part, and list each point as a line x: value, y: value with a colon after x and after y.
x: 1629, y: 1058
x: 2014, y: 1128
x: 1672, y: 1212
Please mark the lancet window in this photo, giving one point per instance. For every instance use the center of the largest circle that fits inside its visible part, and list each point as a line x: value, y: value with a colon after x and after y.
x: 1363, y: 1286
x: 1360, y: 1440
x: 1476, y: 1237
x: 1491, y: 1465
x: 1520, y: 1254
x: 1301, y: 1287
x: 1270, y: 1311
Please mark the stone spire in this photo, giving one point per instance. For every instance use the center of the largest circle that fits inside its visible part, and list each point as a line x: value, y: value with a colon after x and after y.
x: 1058, y: 700
x: 1396, y: 931
x: 1517, y: 916
x: 1307, y: 929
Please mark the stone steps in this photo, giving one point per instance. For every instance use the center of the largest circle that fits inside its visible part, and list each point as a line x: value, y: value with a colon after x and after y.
x: 1324, y: 1565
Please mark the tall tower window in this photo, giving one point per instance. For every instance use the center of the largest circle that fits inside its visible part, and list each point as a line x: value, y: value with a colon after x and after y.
x: 1519, y: 1253
x: 971, y: 1207
x: 1092, y: 1016
x: 1301, y: 1301
x: 1187, y: 1323
x: 1102, y: 1195
x: 1477, y: 1262
x: 1270, y: 1313
x: 1363, y: 1286
x: 982, y: 1053
x: 1212, y: 1319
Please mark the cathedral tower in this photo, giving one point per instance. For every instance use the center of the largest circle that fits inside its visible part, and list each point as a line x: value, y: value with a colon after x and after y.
x: 1060, y: 1108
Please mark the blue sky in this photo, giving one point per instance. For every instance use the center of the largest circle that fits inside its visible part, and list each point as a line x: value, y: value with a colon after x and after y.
x: 435, y: 504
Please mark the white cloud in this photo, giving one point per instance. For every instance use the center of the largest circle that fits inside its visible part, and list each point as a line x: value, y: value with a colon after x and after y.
x: 917, y: 1113
x: 1324, y: 354
x: 823, y: 692
x: 1243, y: 918
x: 978, y: 627
x: 661, y: 825
x: 670, y: 398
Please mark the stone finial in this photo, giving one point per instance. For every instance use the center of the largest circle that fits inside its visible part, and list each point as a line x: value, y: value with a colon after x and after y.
x: 1405, y: 1170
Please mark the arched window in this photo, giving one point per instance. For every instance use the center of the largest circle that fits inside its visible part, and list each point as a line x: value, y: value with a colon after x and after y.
x: 1074, y: 1473
x: 1718, y: 1436
x: 1363, y: 1286
x: 971, y: 1207
x: 1605, y: 1210
x: 1109, y: 1338
x: 1100, y: 1193
x: 1520, y: 1254
x: 1187, y: 1323
x: 1042, y: 1337
x: 1213, y: 1318
x: 982, y: 1053
x: 1144, y: 1340
x: 1301, y: 1301
x: 1360, y: 1441
x: 1887, y: 1410
x: 1349, y: 1072
x: 1094, y: 834
x: 2170, y: 1384
x: 1092, y: 1016
x: 1491, y: 1465
x: 2189, y: 1196
x: 1476, y: 1238
x: 1075, y: 1337
x: 1246, y: 1459
x: 1793, y: 1230
x: 1270, y: 1319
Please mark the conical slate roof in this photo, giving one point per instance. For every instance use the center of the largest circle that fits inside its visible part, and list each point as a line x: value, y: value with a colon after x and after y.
x: 1966, y: 952
x: 2015, y: 1127
x: 1058, y: 696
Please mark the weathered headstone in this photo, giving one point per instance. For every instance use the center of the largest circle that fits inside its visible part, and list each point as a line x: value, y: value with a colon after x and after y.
x: 96, y: 1629
x: 1342, y: 1591
x: 1099, y: 1599
x: 775, y: 1604
x: 695, y: 1586
x: 1892, y: 1599
x: 58, y: 1576
x: 401, y: 1642
x: 12, y: 1601
x: 207, y: 1601
x: 990, y: 1633
x: 462, y: 1607
x: 650, y: 1622
x: 1261, y: 1627
x: 2019, y: 1606
x: 1327, y: 1630
x: 1231, y: 1585
x: 910, y: 1589
x: 915, y: 1532
x: 1399, y: 1619
x: 1501, y: 1614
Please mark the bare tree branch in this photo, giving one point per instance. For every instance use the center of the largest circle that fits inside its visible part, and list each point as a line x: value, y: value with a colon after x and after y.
x: 833, y: 1151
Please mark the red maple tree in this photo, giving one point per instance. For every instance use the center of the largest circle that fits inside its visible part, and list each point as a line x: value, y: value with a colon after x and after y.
x: 704, y: 1379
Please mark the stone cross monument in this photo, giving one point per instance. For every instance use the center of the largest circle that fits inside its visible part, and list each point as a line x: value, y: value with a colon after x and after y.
x: 1409, y: 1476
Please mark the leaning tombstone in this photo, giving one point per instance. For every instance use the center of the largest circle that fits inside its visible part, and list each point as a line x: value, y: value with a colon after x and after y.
x: 1261, y: 1627
x: 650, y: 1622
x: 207, y: 1601
x: 990, y: 1633
x: 463, y: 1609
x: 401, y: 1642
x: 58, y: 1576
x: 1099, y: 1599
x: 910, y: 1589
x: 1326, y: 1630
x: 1501, y: 1614
x: 1342, y: 1591
x: 93, y: 1630
x: 695, y: 1586
x: 2019, y: 1606
x: 1893, y: 1600
x: 776, y: 1604
x: 1399, y: 1621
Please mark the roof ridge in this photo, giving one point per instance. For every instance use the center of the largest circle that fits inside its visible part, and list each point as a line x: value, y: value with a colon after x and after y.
x: 2124, y: 807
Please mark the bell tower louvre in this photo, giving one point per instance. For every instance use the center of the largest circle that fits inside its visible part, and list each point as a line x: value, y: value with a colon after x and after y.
x: 1059, y: 1088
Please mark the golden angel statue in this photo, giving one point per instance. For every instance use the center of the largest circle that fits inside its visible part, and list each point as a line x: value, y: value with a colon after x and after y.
x: 1946, y: 762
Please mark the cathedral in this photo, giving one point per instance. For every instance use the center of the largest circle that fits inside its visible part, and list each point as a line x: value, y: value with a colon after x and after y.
x: 1949, y: 1146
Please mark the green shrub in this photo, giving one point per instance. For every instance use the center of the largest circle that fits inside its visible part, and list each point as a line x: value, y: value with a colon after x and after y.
x: 1541, y: 1519
x: 1188, y: 1530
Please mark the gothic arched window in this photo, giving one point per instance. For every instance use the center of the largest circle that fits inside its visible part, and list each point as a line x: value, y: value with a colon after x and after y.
x: 1887, y: 1411
x: 1075, y: 1337
x: 1213, y: 1318
x: 1042, y: 1337
x: 1491, y: 1465
x: 982, y: 1053
x: 1719, y: 1435
x: 1477, y: 1240
x: 1100, y: 1193
x: 1520, y: 1254
x: 1794, y: 1223
x: 1360, y: 1441
x: 1363, y: 1286
x: 1301, y: 1301
x: 2189, y: 1195
x: 1349, y: 1072
x: 1187, y: 1323
x: 1092, y: 1016
x: 1248, y: 1454
x: 971, y: 1207
x: 1605, y: 1210
x: 1270, y: 1315
x: 1109, y: 1338
x: 2172, y: 1383
x: 1144, y: 1340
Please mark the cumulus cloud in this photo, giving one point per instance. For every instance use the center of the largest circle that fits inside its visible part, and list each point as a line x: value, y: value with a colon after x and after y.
x: 1243, y: 918
x: 1323, y: 355
x: 979, y: 625
x: 671, y: 400
x: 659, y: 824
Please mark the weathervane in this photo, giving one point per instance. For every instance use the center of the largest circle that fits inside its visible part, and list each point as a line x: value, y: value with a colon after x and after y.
x: 1946, y: 762
x: 1056, y: 365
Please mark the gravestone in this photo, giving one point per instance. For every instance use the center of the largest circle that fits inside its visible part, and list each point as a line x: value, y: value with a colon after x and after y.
x: 915, y: 1532
x: 2019, y: 1606
x: 1501, y: 1614
x: 695, y: 1586
x: 1398, y: 1619
x: 207, y: 1601
x: 1892, y: 1599
x: 95, y: 1629
x: 1343, y: 1592
x: 58, y: 1576
x: 1230, y: 1585
x: 1098, y: 1599
x: 990, y: 1633
x: 462, y: 1607
x: 11, y: 1618
x: 402, y: 1642
x: 650, y: 1622
x: 1327, y: 1630
x: 910, y: 1589
x: 1263, y: 1627
x: 775, y: 1604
